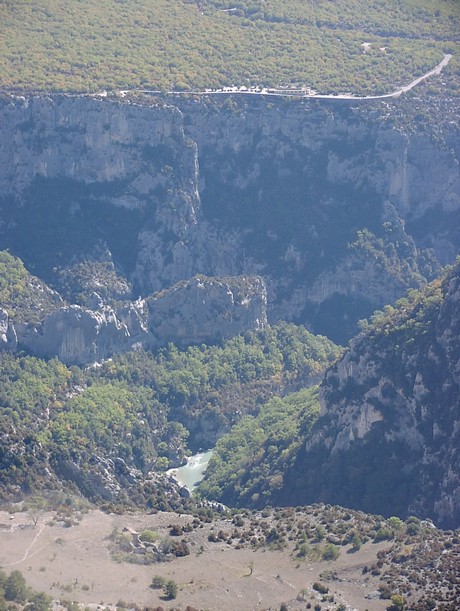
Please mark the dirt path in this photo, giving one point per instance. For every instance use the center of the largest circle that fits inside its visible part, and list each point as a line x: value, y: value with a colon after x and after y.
x: 28, y: 550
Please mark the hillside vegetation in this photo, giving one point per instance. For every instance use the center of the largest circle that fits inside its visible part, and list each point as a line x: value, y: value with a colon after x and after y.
x: 80, y: 45
x: 391, y: 400
x: 248, y: 466
x: 24, y: 296
x: 142, y: 410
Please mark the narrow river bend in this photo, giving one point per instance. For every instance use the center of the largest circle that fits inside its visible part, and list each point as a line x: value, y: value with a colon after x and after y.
x: 191, y: 474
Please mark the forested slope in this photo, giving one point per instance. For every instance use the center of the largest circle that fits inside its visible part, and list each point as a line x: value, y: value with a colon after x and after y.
x: 107, y: 430
x: 387, y: 437
x: 160, y: 44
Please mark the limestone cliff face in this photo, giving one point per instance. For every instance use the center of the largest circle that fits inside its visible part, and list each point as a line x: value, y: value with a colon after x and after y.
x: 195, y: 311
x: 300, y: 181
x: 77, y: 335
x: 340, y: 208
x: 95, y: 142
x: 88, y: 173
x: 389, y: 433
x: 204, y: 310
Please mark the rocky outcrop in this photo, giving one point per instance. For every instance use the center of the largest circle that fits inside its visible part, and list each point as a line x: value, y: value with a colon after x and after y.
x: 206, y: 310
x: 299, y: 180
x: 8, y: 338
x: 388, y: 437
x: 79, y: 172
x: 77, y: 335
x: 190, y: 312
x: 113, y: 481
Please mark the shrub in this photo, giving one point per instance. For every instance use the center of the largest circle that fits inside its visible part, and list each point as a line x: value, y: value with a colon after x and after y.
x: 176, y: 530
x: 238, y: 521
x: 395, y: 523
x: 330, y: 552
x: 16, y: 588
x: 320, y: 587
x: 397, y: 603
x: 320, y: 532
x: 412, y: 529
x: 412, y: 525
x: 170, y: 589
x: 383, y: 534
x: 302, y: 595
x: 39, y: 602
x: 303, y: 550
x: 158, y: 582
x: 356, y: 542
x: 148, y: 536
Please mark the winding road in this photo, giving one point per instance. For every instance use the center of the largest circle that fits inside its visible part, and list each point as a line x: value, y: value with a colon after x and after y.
x: 286, y: 92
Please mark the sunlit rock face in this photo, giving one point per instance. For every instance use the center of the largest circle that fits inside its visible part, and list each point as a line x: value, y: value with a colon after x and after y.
x: 206, y: 310
x: 8, y: 337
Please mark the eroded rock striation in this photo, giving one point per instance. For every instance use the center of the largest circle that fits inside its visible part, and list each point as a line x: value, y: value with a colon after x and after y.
x: 338, y: 206
x: 8, y: 337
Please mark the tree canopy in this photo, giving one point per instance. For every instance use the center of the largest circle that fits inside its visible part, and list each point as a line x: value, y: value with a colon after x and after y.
x: 79, y: 45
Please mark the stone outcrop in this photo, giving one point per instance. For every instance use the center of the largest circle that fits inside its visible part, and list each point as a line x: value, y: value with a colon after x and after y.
x: 77, y: 335
x: 190, y: 312
x: 112, y: 480
x: 299, y: 180
x: 8, y: 338
x: 206, y: 310
x: 98, y: 171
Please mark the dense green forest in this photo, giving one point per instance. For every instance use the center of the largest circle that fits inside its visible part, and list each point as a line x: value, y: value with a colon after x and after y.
x: 147, y: 409
x: 116, y: 44
x: 248, y: 465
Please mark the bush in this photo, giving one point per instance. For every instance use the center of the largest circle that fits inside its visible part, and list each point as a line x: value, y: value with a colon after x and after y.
x: 176, y: 530
x: 395, y: 523
x: 397, y: 603
x: 412, y: 529
x: 320, y: 587
x: 383, y: 534
x: 158, y: 582
x: 356, y: 542
x: 320, y: 532
x: 170, y: 589
x: 330, y: 552
x: 412, y: 526
x: 39, y: 602
x: 148, y: 536
x: 15, y: 588
x: 302, y: 596
x: 303, y: 550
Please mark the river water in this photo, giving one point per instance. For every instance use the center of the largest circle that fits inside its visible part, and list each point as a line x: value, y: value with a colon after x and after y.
x: 191, y: 474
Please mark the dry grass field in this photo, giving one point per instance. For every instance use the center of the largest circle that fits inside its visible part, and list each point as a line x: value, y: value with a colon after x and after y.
x: 76, y: 564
